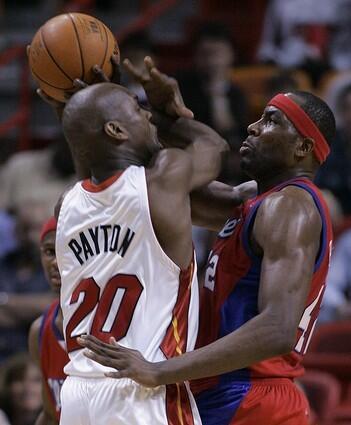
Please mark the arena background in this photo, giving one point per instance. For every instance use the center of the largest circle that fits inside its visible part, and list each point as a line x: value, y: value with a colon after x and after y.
x: 243, y: 52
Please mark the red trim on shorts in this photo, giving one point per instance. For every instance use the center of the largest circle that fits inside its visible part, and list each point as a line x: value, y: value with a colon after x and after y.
x: 91, y: 187
x: 178, y: 405
x: 175, y: 341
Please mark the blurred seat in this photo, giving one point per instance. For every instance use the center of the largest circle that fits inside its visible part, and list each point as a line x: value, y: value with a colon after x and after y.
x: 323, y: 392
x: 253, y: 80
x: 331, y: 84
x: 330, y: 351
x: 332, y: 337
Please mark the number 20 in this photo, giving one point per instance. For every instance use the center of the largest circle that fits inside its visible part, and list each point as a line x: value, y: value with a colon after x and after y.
x: 114, y: 312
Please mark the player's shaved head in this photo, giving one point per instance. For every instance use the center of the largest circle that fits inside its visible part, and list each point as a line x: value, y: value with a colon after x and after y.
x: 105, y: 120
x: 318, y: 111
x: 90, y: 108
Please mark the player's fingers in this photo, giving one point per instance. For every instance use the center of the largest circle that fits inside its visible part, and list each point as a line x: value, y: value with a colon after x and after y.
x: 43, y: 95
x: 115, y: 60
x: 149, y: 63
x: 113, y: 341
x: 92, y: 340
x: 133, y: 71
x: 104, y: 360
x: 185, y: 112
x: 117, y: 375
x: 100, y: 74
x: 79, y: 84
x: 28, y: 49
x: 100, y: 348
x: 159, y: 76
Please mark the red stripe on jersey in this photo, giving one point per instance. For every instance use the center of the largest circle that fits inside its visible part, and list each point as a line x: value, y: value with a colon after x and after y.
x: 178, y: 406
x: 91, y: 187
x: 53, y: 358
x: 175, y: 341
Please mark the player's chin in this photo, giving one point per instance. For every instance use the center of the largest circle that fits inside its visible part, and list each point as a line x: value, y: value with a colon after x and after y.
x: 248, y: 166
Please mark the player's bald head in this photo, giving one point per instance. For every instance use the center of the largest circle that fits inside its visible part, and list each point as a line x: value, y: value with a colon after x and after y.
x: 88, y: 108
x: 87, y: 112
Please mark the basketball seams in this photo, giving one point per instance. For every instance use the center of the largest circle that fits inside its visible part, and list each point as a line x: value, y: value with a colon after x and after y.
x: 42, y: 37
x: 49, y: 84
x: 79, y: 46
x: 106, y: 46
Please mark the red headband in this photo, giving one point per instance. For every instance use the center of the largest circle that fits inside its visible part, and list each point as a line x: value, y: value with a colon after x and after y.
x: 303, y: 123
x: 48, y: 226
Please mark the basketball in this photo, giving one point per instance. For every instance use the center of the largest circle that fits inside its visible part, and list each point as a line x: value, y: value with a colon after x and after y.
x: 67, y: 47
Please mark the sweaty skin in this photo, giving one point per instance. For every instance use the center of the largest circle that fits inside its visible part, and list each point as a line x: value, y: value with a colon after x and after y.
x: 286, y: 234
x: 48, y: 257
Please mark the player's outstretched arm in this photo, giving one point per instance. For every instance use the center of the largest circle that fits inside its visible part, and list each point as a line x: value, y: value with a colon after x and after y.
x: 212, y: 205
x: 287, y: 233
x: 161, y: 90
x: 46, y: 416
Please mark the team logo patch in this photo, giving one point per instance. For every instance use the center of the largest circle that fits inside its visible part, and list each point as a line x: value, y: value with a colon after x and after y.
x: 229, y: 227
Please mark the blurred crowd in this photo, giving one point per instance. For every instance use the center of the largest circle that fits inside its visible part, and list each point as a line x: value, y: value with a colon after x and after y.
x: 304, y: 45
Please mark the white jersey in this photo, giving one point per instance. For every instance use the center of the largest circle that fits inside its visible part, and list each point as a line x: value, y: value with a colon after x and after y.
x: 116, y: 279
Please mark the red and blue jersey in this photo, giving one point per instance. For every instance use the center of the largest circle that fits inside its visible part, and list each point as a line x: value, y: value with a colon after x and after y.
x: 230, y: 298
x: 53, y: 356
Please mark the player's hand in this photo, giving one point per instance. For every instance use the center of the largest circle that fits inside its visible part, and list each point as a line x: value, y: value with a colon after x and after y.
x: 129, y: 363
x: 247, y: 190
x: 161, y: 90
x: 56, y: 104
x: 101, y: 77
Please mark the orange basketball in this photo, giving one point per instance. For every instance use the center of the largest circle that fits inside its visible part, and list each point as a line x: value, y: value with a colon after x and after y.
x: 67, y: 47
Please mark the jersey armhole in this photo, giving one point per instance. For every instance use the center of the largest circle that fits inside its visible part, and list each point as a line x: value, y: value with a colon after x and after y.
x: 41, y: 329
x: 145, y: 208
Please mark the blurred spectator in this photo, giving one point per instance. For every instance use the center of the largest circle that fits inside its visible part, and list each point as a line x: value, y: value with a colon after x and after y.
x: 296, y: 34
x: 135, y: 47
x: 339, y: 46
x: 24, y: 292
x: 335, y: 174
x: 7, y: 234
x: 208, y: 90
x: 337, y: 298
x: 282, y: 82
x: 3, y: 419
x: 335, y: 210
x: 20, y: 391
x: 37, y: 177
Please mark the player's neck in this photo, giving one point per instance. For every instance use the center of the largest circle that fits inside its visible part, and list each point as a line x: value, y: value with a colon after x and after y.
x: 109, y: 168
x: 268, y: 182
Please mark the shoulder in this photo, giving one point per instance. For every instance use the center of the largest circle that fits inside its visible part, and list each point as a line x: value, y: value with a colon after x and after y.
x: 36, y: 325
x: 171, y: 167
x: 288, y: 202
x: 289, y: 214
x: 27, y: 159
x: 59, y: 203
x: 33, y: 338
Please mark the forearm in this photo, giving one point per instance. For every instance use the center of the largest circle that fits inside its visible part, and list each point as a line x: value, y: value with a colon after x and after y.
x: 27, y: 307
x: 255, y: 341
x: 214, y: 204
x: 44, y: 419
x: 182, y: 132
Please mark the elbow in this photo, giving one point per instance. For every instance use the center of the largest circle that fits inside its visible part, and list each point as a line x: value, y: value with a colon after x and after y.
x: 282, y: 338
x: 223, y: 145
x: 284, y: 344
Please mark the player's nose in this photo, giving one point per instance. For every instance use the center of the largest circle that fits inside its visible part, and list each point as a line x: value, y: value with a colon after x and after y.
x: 253, y: 129
x: 148, y: 115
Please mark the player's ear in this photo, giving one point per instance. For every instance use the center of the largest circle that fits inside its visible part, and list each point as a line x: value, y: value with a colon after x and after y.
x: 116, y: 131
x: 305, y: 146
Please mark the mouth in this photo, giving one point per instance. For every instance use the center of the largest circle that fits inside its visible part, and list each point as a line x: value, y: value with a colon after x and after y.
x: 55, y: 279
x: 245, y: 148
